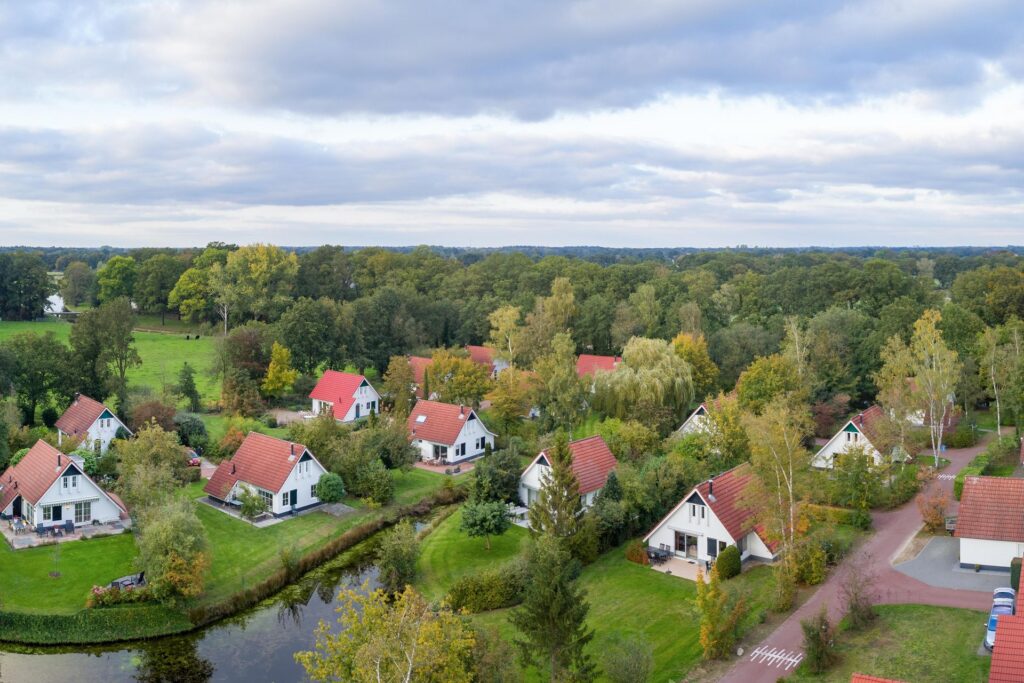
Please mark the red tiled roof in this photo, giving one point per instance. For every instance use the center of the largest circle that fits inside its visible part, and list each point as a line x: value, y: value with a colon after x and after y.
x: 864, y: 678
x: 35, y: 473
x: 339, y: 389
x: 438, y: 422
x: 419, y: 366
x: 592, y: 462
x: 1008, y: 655
x: 80, y: 415
x: 588, y: 364
x: 867, y: 421
x: 261, y: 460
x: 725, y: 495
x: 991, y: 508
x: 482, y: 355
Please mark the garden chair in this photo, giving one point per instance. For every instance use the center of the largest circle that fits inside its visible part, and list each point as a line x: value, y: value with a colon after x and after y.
x: 69, y: 526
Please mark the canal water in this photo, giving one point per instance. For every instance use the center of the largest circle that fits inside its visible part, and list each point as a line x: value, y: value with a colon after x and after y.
x: 254, y: 647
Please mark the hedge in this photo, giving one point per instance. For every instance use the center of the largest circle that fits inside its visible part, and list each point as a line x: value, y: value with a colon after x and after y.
x: 491, y: 589
x: 105, y: 625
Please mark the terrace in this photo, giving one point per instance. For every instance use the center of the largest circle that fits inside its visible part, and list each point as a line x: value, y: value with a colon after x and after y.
x: 20, y: 536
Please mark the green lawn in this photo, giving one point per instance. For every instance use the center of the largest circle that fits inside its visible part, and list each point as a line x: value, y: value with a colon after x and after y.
x: 448, y: 554
x: 217, y: 426
x: 162, y: 355
x: 627, y: 599
x: 415, y: 484
x: 913, y: 643
x: 26, y: 584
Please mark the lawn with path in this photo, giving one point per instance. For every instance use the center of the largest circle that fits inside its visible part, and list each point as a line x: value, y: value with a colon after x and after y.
x: 916, y: 643
x: 448, y: 553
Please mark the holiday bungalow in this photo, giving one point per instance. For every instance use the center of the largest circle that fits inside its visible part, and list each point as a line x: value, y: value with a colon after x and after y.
x: 696, y: 422
x: 990, y: 522
x: 859, y: 431
x: 91, y: 421
x: 592, y: 462
x: 345, y: 395
x: 446, y: 433
x: 589, y: 364
x: 284, y: 473
x: 485, y: 355
x: 47, y: 488
x: 713, y: 516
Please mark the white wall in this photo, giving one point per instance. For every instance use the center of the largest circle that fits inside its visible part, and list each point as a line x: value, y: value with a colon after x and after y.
x: 471, y: 432
x: 302, y: 483
x: 366, y: 397
x: 102, y: 431
x: 757, y: 548
x: 694, y: 424
x: 682, y: 520
x: 825, y: 458
x: 989, y: 553
x: 530, y: 484
x: 103, y: 509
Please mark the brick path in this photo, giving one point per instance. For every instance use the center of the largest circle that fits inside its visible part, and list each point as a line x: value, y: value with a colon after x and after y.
x: 891, y: 531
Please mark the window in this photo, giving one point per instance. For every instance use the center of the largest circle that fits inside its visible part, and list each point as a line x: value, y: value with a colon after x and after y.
x: 268, y: 498
x: 284, y: 499
x: 304, y: 466
x: 312, y: 491
x: 83, y: 512
x: 47, y: 513
x: 420, y: 419
x: 70, y: 482
x: 702, y: 512
x: 721, y: 546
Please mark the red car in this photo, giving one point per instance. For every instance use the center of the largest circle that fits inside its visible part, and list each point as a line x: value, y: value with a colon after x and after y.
x: 193, y: 458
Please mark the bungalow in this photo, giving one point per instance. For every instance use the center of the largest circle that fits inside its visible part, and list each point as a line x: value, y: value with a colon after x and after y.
x: 447, y: 433
x: 485, y: 355
x: 49, y: 488
x: 696, y: 422
x: 1008, y: 655
x: 990, y: 522
x: 345, y: 395
x: 588, y: 364
x: 91, y: 421
x: 592, y: 462
x: 283, y: 472
x: 711, y: 517
x: 861, y: 430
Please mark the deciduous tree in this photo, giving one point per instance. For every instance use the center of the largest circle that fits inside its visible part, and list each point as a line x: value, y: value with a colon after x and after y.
x: 398, y: 387
x: 116, y: 278
x: 560, y: 394
x: 485, y: 519
x: 280, y: 374
x: 78, y: 285
x: 693, y: 349
x: 935, y: 369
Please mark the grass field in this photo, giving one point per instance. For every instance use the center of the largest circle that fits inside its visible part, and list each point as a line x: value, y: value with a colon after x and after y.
x: 913, y: 643
x: 162, y: 355
x: 629, y: 600
x: 448, y: 554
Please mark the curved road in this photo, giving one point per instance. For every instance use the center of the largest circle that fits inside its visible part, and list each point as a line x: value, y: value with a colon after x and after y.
x: 892, y: 530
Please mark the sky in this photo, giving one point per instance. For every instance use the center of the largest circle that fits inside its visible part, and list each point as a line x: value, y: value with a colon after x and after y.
x: 697, y: 123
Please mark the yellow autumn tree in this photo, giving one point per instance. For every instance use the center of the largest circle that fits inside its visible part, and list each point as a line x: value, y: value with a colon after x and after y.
x: 280, y: 374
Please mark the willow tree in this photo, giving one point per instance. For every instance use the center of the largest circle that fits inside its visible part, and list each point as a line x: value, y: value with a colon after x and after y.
x: 652, y: 380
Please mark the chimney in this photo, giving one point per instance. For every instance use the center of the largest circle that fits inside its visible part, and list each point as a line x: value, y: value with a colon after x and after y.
x: 711, y: 487
x: 860, y: 419
x: 58, y: 458
x: 232, y: 468
x: 462, y: 411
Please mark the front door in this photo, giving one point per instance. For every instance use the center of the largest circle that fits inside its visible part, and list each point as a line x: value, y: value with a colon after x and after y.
x: 686, y: 545
x: 57, y: 513
x: 357, y: 411
x: 294, y: 497
x: 16, y: 507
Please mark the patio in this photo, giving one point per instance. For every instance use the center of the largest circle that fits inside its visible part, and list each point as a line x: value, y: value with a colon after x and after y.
x: 28, y: 538
x: 464, y: 466
x: 676, y: 566
x: 333, y: 509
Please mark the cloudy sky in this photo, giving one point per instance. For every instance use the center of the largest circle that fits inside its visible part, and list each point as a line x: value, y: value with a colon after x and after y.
x: 486, y: 123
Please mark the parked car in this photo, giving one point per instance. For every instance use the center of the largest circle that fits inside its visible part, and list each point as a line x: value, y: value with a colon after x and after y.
x: 1004, y: 592
x: 998, y: 609
x: 193, y: 457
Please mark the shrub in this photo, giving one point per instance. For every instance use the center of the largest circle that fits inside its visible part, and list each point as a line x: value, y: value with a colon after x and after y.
x: 375, y: 482
x: 330, y: 488
x: 962, y: 437
x: 18, y: 455
x: 811, y: 562
x: 932, y: 507
x: 50, y: 416
x: 100, y: 596
x: 819, y: 642
x: 191, y: 431
x: 161, y: 413
x: 396, y: 557
x: 728, y: 562
x: 1015, y: 573
x: 628, y: 660
x: 636, y: 552
x: 490, y: 589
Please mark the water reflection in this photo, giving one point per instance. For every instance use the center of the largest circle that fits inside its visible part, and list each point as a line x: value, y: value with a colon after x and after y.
x: 256, y: 646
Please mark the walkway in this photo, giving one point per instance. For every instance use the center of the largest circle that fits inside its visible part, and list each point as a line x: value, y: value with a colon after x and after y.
x: 938, y: 564
x: 892, y: 530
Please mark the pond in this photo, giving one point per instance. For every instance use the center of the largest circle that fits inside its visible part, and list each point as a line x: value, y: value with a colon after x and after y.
x: 257, y: 645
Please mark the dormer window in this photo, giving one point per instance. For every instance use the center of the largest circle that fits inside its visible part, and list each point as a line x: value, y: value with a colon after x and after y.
x: 70, y: 482
x: 420, y: 419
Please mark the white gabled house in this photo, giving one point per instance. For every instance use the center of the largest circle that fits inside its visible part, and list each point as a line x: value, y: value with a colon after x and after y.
x: 990, y: 522
x: 283, y: 472
x: 95, y: 423
x: 486, y: 356
x: 447, y: 433
x: 713, y: 516
x: 592, y: 462
x: 49, y: 488
x: 696, y: 422
x: 859, y: 431
x: 346, y: 395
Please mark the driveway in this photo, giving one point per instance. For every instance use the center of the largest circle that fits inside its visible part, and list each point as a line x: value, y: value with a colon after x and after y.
x: 938, y: 565
x: 892, y: 529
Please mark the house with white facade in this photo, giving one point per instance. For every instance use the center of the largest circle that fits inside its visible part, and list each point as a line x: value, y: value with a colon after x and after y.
x: 696, y: 422
x: 90, y: 420
x: 592, y: 462
x: 486, y: 356
x: 345, y: 395
x: 714, y: 515
x: 860, y: 431
x: 990, y: 522
x: 47, y: 488
x: 446, y: 433
x: 283, y: 472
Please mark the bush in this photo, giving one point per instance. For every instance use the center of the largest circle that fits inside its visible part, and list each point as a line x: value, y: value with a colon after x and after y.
x: 330, y: 488
x: 728, y: 562
x: 628, y: 660
x: 18, y: 455
x: 100, y: 596
x: 490, y: 589
x: 962, y: 437
x: 50, y: 416
x: 375, y: 482
x: 396, y: 557
x: 191, y: 431
x: 819, y: 642
x: 1015, y: 573
x: 636, y: 552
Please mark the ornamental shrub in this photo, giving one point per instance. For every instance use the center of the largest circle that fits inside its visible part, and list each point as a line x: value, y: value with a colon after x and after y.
x: 636, y: 552
x: 50, y: 416
x: 330, y: 488
x: 728, y: 562
x: 490, y: 589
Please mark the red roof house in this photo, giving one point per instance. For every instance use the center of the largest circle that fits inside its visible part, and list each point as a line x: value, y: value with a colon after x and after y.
x: 419, y: 365
x: 91, y: 421
x: 347, y: 395
x: 592, y: 462
x: 990, y: 521
x: 284, y: 472
x: 588, y: 364
x: 717, y: 513
x: 1008, y: 655
x: 444, y: 431
x: 485, y: 355
x: 861, y: 430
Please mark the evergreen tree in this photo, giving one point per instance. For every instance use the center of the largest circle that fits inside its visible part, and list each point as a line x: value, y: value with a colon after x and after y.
x: 552, y: 618
x: 558, y: 509
x: 612, y: 488
x: 187, y: 387
x: 496, y: 476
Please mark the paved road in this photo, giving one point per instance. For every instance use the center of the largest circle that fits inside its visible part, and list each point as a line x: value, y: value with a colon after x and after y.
x: 891, y: 531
